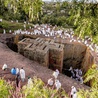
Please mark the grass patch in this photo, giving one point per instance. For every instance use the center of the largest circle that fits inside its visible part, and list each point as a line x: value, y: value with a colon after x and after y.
x: 7, y: 25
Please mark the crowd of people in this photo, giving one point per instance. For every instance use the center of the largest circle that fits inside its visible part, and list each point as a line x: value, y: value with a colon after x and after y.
x: 48, y: 30
x: 55, y: 83
x: 74, y: 74
x: 52, y: 82
x: 20, y: 74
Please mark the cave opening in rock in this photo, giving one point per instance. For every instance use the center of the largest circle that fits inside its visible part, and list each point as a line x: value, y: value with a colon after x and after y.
x: 10, y: 43
x: 77, y: 56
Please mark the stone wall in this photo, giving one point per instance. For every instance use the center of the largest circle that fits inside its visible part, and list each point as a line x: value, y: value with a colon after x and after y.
x: 44, y: 51
x: 56, y: 52
x: 88, y: 61
x: 77, y: 55
x: 56, y: 55
x: 38, y: 51
x: 23, y: 43
x: 73, y: 54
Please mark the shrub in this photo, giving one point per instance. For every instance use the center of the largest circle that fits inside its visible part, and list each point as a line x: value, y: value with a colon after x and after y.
x: 39, y: 90
x: 4, y: 89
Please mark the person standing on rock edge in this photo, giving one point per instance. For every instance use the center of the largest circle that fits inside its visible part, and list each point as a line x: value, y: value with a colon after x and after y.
x: 17, y: 80
x: 22, y: 74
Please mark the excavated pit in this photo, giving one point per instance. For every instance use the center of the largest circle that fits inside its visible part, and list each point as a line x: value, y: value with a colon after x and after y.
x: 53, y: 55
x: 10, y: 43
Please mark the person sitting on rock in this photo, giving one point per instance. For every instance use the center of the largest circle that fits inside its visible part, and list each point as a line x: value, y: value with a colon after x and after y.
x: 81, y: 80
x: 4, y: 67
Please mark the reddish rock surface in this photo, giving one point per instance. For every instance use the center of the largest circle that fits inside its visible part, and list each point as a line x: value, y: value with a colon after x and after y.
x: 13, y: 59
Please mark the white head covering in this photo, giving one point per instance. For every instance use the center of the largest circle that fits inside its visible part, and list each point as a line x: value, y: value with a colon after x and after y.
x: 4, y: 67
x: 72, y: 87
x: 50, y: 82
x: 73, y: 90
x: 57, y: 84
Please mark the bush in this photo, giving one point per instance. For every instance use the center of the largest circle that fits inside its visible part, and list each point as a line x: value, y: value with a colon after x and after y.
x: 4, y: 89
x: 7, y: 25
x: 39, y: 90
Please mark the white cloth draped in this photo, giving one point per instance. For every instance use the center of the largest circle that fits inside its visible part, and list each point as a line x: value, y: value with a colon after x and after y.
x: 22, y: 73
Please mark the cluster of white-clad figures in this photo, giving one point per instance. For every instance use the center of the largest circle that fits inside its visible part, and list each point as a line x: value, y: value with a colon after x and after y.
x: 16, y: 71
x: 51, y: 82
x: 76, y: 74
x: 52, y: 31
x: 21, y: 73
x: 55, y: 82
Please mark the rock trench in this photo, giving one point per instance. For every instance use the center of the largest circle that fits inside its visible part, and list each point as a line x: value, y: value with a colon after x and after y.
x: 13, y: 59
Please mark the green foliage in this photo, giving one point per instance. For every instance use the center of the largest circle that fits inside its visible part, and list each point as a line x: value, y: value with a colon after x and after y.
x: 84, y: 18
x: 4, y: 89
x: 91, y: 75
x: 7, y: 25
x: 86, y: 27
x: 32, y: 9
x: 39, y: 90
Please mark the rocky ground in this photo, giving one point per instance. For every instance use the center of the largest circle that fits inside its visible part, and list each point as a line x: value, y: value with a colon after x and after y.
x: 13, y: 59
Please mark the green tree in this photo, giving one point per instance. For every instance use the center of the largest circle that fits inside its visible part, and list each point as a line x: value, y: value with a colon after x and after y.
x: 31, y: 8
x: 91, y: 75
x: 4, y: 89
x: 39, y: 90
x: 85, y: 18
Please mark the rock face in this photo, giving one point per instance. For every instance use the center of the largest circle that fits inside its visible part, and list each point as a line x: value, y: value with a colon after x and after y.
x: 50, y: 53
x: 22, y: 44
x: 44, y: 51
x: 56, y: 52
x: 37, y: 51
x: 88, y: 61
x: 32, y: 69
x: 73, y: 54
x: 55, y: 55
x: 77, y: 55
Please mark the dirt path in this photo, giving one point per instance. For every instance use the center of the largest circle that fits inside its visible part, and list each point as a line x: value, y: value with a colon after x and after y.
x: 32, y: 68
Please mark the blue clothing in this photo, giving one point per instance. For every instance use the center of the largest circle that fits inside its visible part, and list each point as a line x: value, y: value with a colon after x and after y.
x: 13, y: 71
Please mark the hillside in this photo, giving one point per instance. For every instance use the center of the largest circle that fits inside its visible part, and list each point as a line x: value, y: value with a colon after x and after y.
x: 13, y: 59
x: 11, y: 26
